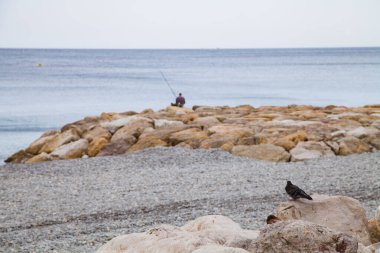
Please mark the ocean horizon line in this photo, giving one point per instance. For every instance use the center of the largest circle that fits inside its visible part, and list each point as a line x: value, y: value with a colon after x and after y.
x: 190, y: 49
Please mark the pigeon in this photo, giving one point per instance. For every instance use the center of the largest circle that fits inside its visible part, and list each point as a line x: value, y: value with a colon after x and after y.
x: 295, y: 192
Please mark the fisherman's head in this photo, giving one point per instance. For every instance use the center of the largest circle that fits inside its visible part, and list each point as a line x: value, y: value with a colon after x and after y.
x: 180, y: 94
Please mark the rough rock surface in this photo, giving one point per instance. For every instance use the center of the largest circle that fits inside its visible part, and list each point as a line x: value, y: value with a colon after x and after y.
x: 340, y: 213
x: 306, y: 132
x: 205, y: 234
x: 267, y: 152
x: 302, y: 236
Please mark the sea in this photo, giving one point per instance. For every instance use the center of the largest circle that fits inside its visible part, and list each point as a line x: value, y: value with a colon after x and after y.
x: 44, y: 89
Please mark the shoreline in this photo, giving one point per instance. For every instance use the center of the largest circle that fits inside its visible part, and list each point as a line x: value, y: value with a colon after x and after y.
x: 77, y: 205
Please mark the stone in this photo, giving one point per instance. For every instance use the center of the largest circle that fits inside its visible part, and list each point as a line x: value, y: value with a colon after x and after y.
x: 310, y: 150
x: 75, y: 149
x: 96, y: 133
x: 374, y: 248
x: 59, y: 140
x: 376, y: 124
x: 362, y: 132
x: 19, y: 157
x: 227, y: 146
x: 114, y: 125
x: 117, y: 147
x: 374, y: 231
x: 375, y: 142
x: 160, y: 123
x: 36, y: 145
x: 43, y: 157
x: 334, y: 146
x: 163, y: 133
x: 352, y: 145
x: 228, y: 129
x: 96, y: 145
x: 134, y: 128
x: 191, y: 136
x: 377, y: 217
x: 178, y: 110
x: 340, y: 213
x: 218, y: 140
x: 206, y: 122
x: 268, y: 152
x: 302, y: 236
x: 286, y: 144
x: 147, y: 142
x: 208, y: 234
x: 294, y: 123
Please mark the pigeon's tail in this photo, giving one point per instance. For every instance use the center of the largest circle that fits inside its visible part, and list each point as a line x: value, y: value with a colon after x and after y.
x: 308, y: 197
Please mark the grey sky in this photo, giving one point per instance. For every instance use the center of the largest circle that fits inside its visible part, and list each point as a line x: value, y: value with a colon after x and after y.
x: 189, y: 23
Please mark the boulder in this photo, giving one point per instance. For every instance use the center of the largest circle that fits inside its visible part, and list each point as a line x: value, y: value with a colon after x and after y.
x: 96, y: 145
x: 209, y: 234
x: 160, y: 123
x: 206, y: 121
x: 114, y: 125
x: 59, y: 140
x: 377, y: 217
x: 310, y: 150
x: 191, y: 136
x: 375, y: 142
x: 286, y: 144
x: 352, y: 145
x: 134, y: 128
x: 268, y: 152
x: 75, y: 149
x: 294, y: 123
x: 374, y: 231
x: 96, y: 133
x: 340, y: 213
x: 218, y: 140
x: 302, y: 236
x: 163, y: 133
x: 36, y: 145
x: 117, y: 147
x: 147, y: 142
x: 362, y: 132
x: 228, y: 129
x: 43, y: 157
x: 19, y: 157
x: 178, y: 110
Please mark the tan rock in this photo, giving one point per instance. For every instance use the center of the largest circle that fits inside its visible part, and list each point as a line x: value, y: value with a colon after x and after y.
x: 268, y: 152
x: 59, y: 140
x: 191, y: 136
x: 228, y: 129
x: 178, y: 110
x: 218, y: 140
x: 295, y: 123
x: 117, y: 147
x: 43, y: 157
x: 75, y: 149
x: 96, y: 133
x: 340, y: 213
x: 302, y: 236
x: 352, y: 145
x: 310, y: 150
x: 286, y: 144
x: 147, y: 142
x: 374, y: 231
x: 227, y: 146
x: 19, y: 157
x: 163, y: 133
x: 377, y: 217
x: 334, y: 146
x: 206, y: 121
x: 134, y: 128
x: 184, y: 145
x: 376, y: 124
x: 375, y: 142
x: 36, y: 145
x: 297, y: 137
x: 96, y: 145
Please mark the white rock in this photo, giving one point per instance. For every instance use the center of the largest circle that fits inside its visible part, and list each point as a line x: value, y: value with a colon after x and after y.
x: 75, y: 149
x: 362, y: 132
x: 160, y: 123
x: 310, y: 150
x: 113, y: 125
x: 297, y: 123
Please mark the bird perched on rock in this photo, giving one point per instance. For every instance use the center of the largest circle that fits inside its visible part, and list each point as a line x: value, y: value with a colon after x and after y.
x: 295, y: 192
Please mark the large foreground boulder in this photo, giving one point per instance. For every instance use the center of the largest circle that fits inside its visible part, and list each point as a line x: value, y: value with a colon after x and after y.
x: 340, y: 213
x: 302, y: 236
x: 208, y: 234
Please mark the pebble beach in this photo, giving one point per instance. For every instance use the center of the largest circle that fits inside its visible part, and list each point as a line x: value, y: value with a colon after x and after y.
x: 78, y: 205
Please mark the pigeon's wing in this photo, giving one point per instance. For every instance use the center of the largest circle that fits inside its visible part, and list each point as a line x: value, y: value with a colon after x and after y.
x: 301, y: 194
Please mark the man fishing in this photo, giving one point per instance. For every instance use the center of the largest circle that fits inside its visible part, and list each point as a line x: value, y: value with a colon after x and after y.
x: 179, y: 101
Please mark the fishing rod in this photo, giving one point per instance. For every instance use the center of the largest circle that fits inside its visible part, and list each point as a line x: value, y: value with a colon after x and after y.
x: 166, y: 81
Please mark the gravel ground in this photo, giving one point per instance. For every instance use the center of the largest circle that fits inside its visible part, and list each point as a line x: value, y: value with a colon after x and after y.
x: 77, y: 205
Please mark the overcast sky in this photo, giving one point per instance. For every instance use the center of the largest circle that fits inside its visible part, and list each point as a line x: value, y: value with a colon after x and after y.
x: 189, y: 23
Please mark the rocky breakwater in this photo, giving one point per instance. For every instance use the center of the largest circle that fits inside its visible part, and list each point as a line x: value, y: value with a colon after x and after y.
x: 291, y: 133
x: 329, y: 224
